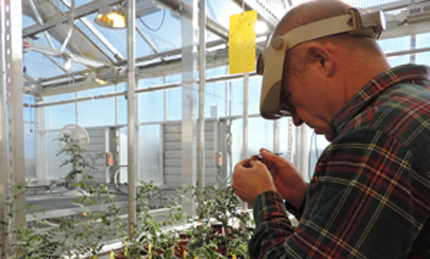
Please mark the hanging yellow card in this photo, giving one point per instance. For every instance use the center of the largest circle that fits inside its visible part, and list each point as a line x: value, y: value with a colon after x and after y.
x: 242, y: 36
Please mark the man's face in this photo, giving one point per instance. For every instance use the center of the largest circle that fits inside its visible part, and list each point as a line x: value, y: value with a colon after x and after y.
x: 306, y: 95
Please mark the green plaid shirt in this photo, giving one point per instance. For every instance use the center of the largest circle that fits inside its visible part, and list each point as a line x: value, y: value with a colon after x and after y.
x: 370, y: 193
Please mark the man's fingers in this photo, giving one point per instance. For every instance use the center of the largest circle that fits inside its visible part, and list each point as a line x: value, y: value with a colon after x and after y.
x: 254, y: 163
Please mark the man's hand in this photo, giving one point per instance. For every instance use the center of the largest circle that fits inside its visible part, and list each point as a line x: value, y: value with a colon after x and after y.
x: 288, y: 181
x: 251, y: 178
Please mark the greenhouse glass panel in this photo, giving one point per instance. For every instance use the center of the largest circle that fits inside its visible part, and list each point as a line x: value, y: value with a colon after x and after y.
x: 254, y: 95
x: 395, y: 44
x: 260, y: 134
x: 237, y: 141
x: 96, y: 40
x: 122, y: 105
x: 174, y: 104
x: 423, y: 58
x: 215, y: 99
x: 176, y: 78
x: 369, y: 3
x: 151, y: 106
x: 399, y: 60
x: 162, y: 28
x: 81, y: 2
x: 148, y: 82
x: 423, y: 40
x: 151, y: 154
x: 237, y: 97
x: 221, y: 10
x: 217, y: 71
x: 27, y: 21
x: 99, y: 111
x: 39, y: 66
x: 58, y: 116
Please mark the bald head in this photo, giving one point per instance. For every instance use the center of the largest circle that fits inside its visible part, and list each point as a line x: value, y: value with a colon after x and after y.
x: 317, y: 10
x: 310, y: 12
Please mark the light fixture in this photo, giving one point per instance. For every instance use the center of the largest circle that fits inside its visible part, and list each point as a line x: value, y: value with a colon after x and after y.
x: 111, y: 18
x: 67, y: 63
x: 101, y: 81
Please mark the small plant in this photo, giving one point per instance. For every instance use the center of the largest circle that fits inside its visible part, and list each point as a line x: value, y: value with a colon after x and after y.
x: 78, y: 162
x: 223, y: 230
x: 146, y: 235
x: 220, y: 230
x: 64, y: 239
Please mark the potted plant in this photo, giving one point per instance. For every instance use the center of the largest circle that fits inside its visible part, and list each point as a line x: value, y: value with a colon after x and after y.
x: 147, y: 237
x: 219, y: 230
x: 223, y: 228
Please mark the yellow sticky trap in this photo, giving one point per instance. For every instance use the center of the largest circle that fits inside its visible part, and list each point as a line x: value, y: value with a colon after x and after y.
x: 242, y: 42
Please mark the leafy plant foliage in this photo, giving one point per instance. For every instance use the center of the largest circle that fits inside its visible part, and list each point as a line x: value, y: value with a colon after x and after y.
x: 220, y: 229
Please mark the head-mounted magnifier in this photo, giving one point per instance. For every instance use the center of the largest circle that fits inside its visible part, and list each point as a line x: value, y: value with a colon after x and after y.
x: 270, y: 62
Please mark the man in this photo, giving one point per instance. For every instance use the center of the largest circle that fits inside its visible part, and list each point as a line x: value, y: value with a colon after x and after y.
x: 370, y: 193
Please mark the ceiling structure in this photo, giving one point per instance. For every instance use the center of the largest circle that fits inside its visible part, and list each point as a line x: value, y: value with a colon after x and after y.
x: 65, y: 51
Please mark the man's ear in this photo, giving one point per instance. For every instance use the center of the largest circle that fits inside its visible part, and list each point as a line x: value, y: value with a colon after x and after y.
x: 321, y: 56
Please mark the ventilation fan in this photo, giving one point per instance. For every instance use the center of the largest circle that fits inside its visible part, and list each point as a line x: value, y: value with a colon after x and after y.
x: 73, y: 134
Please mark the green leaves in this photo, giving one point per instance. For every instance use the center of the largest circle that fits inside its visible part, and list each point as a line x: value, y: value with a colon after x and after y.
x: 219, y: 230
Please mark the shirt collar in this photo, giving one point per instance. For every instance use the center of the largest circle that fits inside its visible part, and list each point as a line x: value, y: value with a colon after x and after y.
x: 371, y: 91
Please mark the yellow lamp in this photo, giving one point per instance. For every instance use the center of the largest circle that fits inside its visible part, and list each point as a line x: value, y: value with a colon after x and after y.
x: 110, y: 18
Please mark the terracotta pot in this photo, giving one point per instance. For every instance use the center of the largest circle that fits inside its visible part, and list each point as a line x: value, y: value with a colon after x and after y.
x: 183, y: 241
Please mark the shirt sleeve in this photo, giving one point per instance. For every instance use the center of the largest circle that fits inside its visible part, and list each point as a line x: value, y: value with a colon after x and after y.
x: 365, y: 201
x: 297, y: 213
x: 273, y: 225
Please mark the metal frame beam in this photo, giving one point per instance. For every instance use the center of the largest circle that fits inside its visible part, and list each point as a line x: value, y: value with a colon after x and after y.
x: 158, y: 68
x: 98, y: 35
x: 202, y: 85
x: 140, y: 62
x: 12, y: 172
x: 79, y: 12
x: 58, y: 53
x: 188, y: 65
x: 396, y: 5
x: 152, y: 70
x: 410, y: 29
x: 40, y: 21
x: 81, y: 84
x: 132, y: 133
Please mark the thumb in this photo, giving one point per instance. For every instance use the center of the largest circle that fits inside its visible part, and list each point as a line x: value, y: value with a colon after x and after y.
x: 270, y: 156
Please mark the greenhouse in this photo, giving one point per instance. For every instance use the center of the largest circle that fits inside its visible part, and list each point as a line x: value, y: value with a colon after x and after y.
x: 162, y: 100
